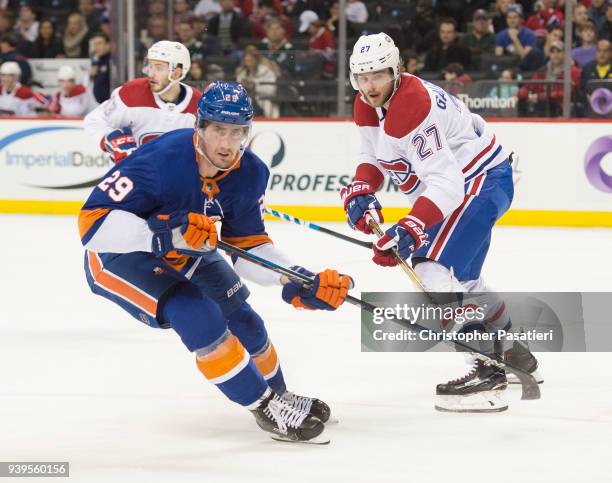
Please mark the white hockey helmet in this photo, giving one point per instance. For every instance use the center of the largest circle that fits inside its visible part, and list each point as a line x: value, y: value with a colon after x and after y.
x: 10, y: 68
x: 66, y: 72
x: 174, y: 53
x: 372, y: 53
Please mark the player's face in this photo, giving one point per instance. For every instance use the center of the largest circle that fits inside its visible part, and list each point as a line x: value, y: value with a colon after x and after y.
x: 66, y: 86
x: 157, y: 72
x: 222, y: 142
x: 8, y: 81
x: 376, y: 86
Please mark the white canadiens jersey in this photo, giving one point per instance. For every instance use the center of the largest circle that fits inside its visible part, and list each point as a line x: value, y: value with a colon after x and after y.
x: 133, y: 105
x: 428, y: 142
x: 77, y: 103
x: 19, y: 102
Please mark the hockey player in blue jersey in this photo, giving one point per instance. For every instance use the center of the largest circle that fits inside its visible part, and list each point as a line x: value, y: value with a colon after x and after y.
x: 160, y: 200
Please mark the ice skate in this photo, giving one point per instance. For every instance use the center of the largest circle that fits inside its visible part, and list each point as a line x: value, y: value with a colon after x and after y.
x: 286, y: 423
x: 480, y: 391
x: 313, y: 406
x: 521, y: 357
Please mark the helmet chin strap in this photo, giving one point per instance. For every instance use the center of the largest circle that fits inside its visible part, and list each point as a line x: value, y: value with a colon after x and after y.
x: 170, y: 84
x: 209, y: 161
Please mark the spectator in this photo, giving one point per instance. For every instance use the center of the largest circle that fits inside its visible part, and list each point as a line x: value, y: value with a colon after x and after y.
x: 229, y: 26
x: 10, y: 53
x: 259, y: 80
x: 334, y: 17
x: 277, y: 48
x: 6, y: 22
x: 507, y: 87
x: 48, y: 44
x: 421, y: 34
x: 499, y: 17
x: 516, y: 39
x: 186, y: 36
x: 481, y: 40
x: 207, y: 8
x: 581, y: 18
x: 100, y: 66
x: 90, y: 14
x: 411, y: 64
x: 597, y: 12
x: 547, y: 99
x: 182, y: 10
x: 545, y: 15
x: 356, y: 11
x: 455, y: 77
x: 26, y: 26
x: 210, y: 43
x: 15, y: 98
x: 196, y: 72
x: 606, y: 30
x: 105, y: 25
x: 586, y: 52
x: 447, y: 49
x: 157, y: 29
x: 72, y: 99
x: 76, y: 37
x: 265, y: 11
x: 322, y: 42
x: 599, y: 69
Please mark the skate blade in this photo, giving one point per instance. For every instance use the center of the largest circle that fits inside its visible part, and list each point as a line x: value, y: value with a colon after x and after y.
x: 512, y: 379
x: 484, y: 402
x: 318, y: 440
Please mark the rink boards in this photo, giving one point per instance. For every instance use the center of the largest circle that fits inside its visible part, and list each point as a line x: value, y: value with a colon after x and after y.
x: 562, y: 176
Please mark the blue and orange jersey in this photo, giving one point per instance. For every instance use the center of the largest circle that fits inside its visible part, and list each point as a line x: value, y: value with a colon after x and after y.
x: 162, y: 178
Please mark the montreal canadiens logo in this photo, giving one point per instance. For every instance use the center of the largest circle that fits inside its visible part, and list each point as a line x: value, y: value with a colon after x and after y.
x: 402, y: 174
x: 145, y: 138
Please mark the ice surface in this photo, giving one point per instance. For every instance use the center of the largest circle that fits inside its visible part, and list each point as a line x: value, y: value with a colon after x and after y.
x: 82, y: 381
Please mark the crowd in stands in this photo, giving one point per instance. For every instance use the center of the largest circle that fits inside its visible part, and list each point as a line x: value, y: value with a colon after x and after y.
x: 270, y: 45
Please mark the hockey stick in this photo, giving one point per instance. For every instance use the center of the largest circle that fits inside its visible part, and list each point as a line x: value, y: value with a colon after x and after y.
x: 307, y: 224
x: 401, y: 262
x: 530, y: 387
x: 529, y: 392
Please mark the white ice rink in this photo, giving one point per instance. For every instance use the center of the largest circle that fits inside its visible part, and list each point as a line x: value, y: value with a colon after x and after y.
x: 81, y: 381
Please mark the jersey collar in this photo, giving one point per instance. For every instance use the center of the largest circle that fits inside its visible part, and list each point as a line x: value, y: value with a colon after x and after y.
x: 184, y: 100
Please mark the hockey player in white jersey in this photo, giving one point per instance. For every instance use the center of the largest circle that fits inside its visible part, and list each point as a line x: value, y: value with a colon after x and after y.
x: 15, y: 98
x: 147, y: 107
x: 458, y: 178
x: 72, y: 99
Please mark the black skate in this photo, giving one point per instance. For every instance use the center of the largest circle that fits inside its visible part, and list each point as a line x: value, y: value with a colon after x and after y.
x: 286, y: 423
x: 521, y: 357
x: 480, y: 391
x: 312, y: 406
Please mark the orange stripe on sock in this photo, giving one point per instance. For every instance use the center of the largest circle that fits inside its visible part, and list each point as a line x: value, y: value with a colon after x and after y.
x: 87, y: 218
x: 223, y: 359
x: 266, y: 361
x: 116, y: 285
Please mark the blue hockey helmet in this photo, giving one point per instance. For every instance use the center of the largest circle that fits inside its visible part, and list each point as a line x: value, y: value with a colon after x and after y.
x: 226, y: 102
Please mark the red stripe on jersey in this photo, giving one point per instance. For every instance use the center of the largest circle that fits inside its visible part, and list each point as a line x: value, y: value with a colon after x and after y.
x: 137, y: 93
x: 363, y: 114
x: 409, y: 107
x: 473, y: 162
x: 77, y: 90
x: 24, y: 92
x: 192, y: 107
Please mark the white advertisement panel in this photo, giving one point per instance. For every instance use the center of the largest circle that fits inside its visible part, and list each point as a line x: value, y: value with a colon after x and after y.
x: 562, y: 166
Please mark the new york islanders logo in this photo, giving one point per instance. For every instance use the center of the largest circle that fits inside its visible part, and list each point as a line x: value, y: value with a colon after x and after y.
x: 402, y: 174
